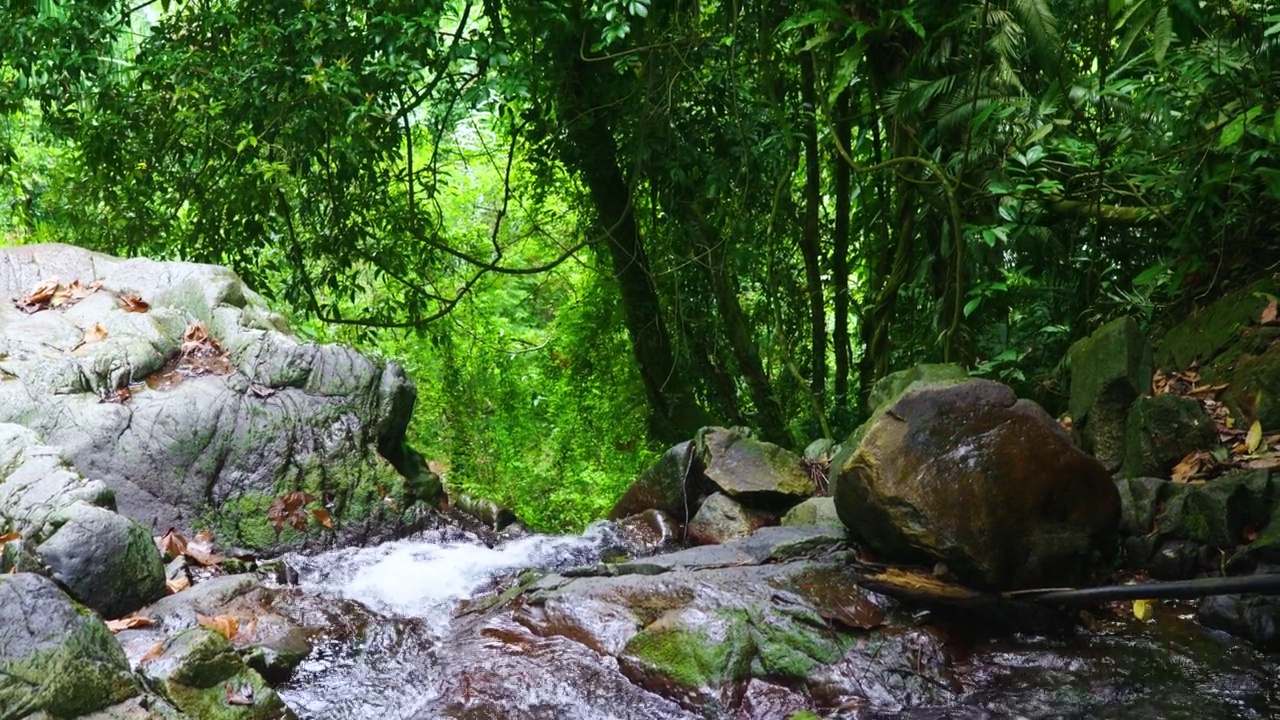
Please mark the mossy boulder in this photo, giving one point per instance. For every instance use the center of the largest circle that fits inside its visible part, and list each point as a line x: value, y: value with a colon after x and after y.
x: 69, y: 529
x: 750, y: 470
x: 664, y: 486
x: 202, y: 675
x: 1162, y: 430
x: 1110, y: 369
x: 1231, y: 347
x: 721, y: 518
x: 990, y: 485
x: 814, y: 511
x: 1222, y: 513
x: 56, y: 657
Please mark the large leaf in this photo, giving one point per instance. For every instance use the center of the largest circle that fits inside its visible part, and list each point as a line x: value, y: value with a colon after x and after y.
x: 1163, y: 31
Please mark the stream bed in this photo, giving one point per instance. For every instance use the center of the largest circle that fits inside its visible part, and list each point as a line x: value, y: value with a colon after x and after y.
x: 420, y: 641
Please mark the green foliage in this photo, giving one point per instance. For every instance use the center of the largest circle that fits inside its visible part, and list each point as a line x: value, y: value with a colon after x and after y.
x: 577, y: 224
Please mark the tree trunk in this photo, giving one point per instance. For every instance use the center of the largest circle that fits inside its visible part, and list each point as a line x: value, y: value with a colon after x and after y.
x: 840, y: 248
x: 810, y: 247
x: 591, y: 149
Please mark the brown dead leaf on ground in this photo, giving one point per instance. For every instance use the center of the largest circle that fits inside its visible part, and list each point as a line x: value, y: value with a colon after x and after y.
x: 52, y: 293
x: 178, y: 584
x: 225, y: 625
x: 133, y: 302
x: 1270, y: 314
x: 10, y: 537
x: 1195, y: 463
x: 241, y: 696
x: 172, y: 544
x: 288, y: 510
x: 156, y: 651
x: 322, y: 516
x: 200, y: 549
x: 129, y: 623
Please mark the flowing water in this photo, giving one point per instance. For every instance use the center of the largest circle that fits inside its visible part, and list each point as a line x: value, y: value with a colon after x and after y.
x: 413, y: 589
x: 398, y: 657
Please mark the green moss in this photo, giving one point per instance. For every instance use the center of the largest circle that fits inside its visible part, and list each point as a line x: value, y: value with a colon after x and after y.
x: 87, y: 672
x: 691, y: 658
x: 804, y: 715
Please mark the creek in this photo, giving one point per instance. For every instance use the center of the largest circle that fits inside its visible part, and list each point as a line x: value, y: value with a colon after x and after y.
x: 412, y: 651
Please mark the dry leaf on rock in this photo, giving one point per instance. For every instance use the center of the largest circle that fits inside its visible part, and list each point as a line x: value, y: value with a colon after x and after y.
x: 200, y: 549
x: 156, y: 651
x: 1253, y: 438
x: 178, y: 584
x: 288, y: 510
x: 95, y: 333
x: 1193, y: 464
x: 119, y: 396
x: 132, y: 302
x: 225, y: 625
x: 128, y: 623
x: 172, y: 544
x: 10, y: 537
x: 1269, y: 314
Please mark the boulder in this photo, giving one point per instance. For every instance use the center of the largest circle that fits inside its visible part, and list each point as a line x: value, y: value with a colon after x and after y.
x: 1231, y: 347
x: 752, y: 470
x: 1110, y: 369
x: 104, y: 560
x: 664, y: 486
x: 202, y: 675
x: 1162, y: 430
x: 1252, y: 617
x: 56, y: 658
x: 814, y: 511
x: 990, y: 485
x: 1223, y: 513
x: 648, y: 532
x: 190, y: 433
x: 721, y: 519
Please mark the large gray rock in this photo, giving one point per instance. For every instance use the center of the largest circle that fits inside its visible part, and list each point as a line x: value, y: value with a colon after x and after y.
x: 55, y: 658
x: 1109, y: 370
x: 969, y: 475
x: 67, y: 524
x: 721, y: 519
x: 750, y: 469
x: 212, y: 448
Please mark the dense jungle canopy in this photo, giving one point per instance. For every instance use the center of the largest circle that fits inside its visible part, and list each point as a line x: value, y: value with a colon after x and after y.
x: 589, y: 228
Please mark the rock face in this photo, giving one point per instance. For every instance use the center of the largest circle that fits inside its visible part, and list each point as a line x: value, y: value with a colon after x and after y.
x: 663, y: 486
x: 990, y: 485
x: 54, y: 657
x: 1232, y: 347
x: 1160, y: 431
x: 721, y: 519
x: 69, y: 530
x: 182, y: 442
x: 1110, y: 369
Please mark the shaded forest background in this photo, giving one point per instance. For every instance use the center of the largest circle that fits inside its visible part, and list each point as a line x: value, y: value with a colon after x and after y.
x: 589, y: 228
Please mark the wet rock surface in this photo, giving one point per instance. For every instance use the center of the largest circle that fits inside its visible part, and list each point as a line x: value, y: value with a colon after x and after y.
x: 990, y: 485
x: 762, y: 627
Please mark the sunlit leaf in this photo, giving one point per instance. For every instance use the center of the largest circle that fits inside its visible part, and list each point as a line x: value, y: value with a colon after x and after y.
x: 1144, y: 609
x: 225, y: 625
x: 1253, y: 438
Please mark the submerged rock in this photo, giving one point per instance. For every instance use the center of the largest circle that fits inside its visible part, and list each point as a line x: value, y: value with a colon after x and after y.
x: 990, y: 485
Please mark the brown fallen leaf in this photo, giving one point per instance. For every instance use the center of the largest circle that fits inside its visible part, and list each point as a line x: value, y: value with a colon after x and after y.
x: 95, y: 333
x: 128, y: 623
x: 288, y: 509
x: 225, y: 625
x: 1193, y: 464
x: 172, y: 544
x: 200, y: 549
x: 1270, y: 461
x: 178, y: 584
x: 133, y: 303
x: 322, y: 516
x: 10, y: 537
x: 261, y: 391
x: 1269, y: 314
x: 156, y: 651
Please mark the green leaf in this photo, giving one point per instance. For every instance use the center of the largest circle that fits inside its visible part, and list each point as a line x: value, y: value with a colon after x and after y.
x: 1163, y: 31
x: 1232, y: 133
x: 972, y: 305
